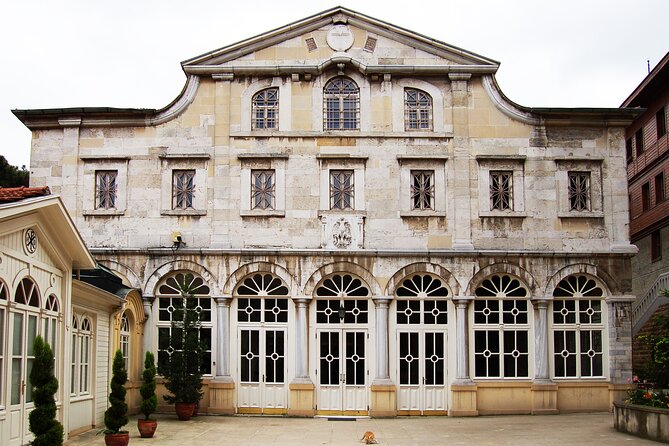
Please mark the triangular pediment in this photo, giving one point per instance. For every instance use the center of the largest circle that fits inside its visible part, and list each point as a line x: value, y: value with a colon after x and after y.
x: 337, y: 36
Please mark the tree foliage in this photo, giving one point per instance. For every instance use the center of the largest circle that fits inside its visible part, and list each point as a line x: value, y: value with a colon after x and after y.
x: 183, y: 371
x: 148, y: 389
x: 116, y: 416
x: 42, y: 420
x: 12, y: 176
x: 656, y: 370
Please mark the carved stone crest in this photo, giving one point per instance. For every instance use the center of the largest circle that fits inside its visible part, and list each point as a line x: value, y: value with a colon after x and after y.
x: 341, y: 234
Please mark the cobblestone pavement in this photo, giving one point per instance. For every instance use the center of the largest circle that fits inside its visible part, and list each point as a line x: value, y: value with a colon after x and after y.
x: 517, y: 430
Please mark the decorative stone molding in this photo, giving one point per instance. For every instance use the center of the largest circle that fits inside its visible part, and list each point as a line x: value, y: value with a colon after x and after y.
x: 344, y: 232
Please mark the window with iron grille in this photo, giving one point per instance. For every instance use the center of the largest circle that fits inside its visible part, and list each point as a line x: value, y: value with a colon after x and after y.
x: 501, y: 187
x: 183, y: 189
x: 578, y: 328
x: 341, y: 189
x: 422, y: 189
x: 501, y: 328
x: 266, y: 109
x: 579, y: 191
x: 263, y: 189
x: 417, y: 110
x: 105, y: 189
x: 341, y: 105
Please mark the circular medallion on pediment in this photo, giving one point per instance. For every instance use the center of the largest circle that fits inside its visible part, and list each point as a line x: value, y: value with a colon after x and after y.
x: 340, y: 38
x: 30, y: 241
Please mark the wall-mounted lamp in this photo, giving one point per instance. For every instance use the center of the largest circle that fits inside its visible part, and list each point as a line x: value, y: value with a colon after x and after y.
x: 177, y: 240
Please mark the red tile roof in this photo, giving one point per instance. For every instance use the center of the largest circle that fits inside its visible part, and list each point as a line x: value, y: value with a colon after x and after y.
x: 11, y: 194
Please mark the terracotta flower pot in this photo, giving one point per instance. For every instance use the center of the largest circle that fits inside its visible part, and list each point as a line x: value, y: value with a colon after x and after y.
x: 120, y: 439
x: 184, y: 410
x: 146, y: 428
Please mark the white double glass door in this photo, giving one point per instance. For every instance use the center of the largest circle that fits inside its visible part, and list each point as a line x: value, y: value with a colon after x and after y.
x: 421, y: 372
x: 342, y: 371
x: 262, y: 370
x: 22, y: 332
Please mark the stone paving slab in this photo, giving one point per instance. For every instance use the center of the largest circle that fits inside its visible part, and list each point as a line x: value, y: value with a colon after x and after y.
x: 517, y: 430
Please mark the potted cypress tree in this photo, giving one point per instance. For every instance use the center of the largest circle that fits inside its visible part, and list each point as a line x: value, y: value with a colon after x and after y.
x: 182, y: 373
x: 42, y: 420
x: 147, y: 426
x: 116, y: 416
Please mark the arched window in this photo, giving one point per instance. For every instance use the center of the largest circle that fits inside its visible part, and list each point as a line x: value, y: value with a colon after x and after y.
x: 265, y: 109
x: 262, y: 316
x: 578, y: 328
x: 27, y: 293
x: 421, y: 300
x: 501, y: 328
x: 341, y: 105
x: 417, y: 110
x: 341, y: 303
x: 125, y: 340
x: 50, y: 325
x: 82, y: 343
x: 178, y: 291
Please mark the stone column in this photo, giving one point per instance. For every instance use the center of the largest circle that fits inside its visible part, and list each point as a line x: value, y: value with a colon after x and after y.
x: 384, y: 398
x: 544, y: 391
x: 541, y: 342
x: 382, y: 373
x: 223, y: 338
x: 149, y: 324
x: 301, y: 401
x: 301, y: 349
x: 463, y: 389
x: 619, y: 322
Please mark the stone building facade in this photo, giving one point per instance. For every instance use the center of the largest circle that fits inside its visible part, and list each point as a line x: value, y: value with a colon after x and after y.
x: 370, y: 226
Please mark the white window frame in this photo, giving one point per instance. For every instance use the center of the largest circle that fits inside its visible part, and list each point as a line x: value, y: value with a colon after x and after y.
x: 81, y: 349
x: 4, y: 320
x: 251, y: 162
x: 124, y: 339
x: 515, y: 165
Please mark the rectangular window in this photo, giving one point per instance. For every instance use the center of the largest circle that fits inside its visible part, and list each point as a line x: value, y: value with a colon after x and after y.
x: 105, y: 189
x: 661, y: 122
x: 422, y: 189
x: 638, y: 140
x: 578, y: 338
x: 645, y: 197
x: 655, y: 246
x: 341, y: 189
x: 501, y: 187
x: 183, y: 188
x: 629, y: 150
x: 263, y: 189
x: 579, y: 191
x: 266, y: 109
x: 659, y: 188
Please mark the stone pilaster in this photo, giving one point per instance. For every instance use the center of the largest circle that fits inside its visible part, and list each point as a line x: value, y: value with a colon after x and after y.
x: 384, y: 399
x: 222, y: 387
x: 301, y: 388
x: 463, y: 390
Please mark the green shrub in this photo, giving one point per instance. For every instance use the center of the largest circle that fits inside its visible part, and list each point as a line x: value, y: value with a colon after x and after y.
x: 116, y: 416
x: 148, y: 389
x: 42, y: 420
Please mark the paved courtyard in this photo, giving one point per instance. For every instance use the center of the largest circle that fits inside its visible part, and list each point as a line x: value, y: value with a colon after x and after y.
x: 517, y: 430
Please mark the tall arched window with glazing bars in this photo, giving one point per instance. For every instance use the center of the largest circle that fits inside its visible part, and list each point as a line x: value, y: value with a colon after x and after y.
x: 421, y: 316
x: 179, y: 291
x: 265, y: 109
x: 262, y: 318
x: 417, y: 110
x: 125, y: 340
x: 501, y: 317
x: 579, y: 315
x: 341, y: 105
x: 4, y: 301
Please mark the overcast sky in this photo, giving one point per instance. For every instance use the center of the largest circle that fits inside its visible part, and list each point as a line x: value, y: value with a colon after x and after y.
x: 127, y: 53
